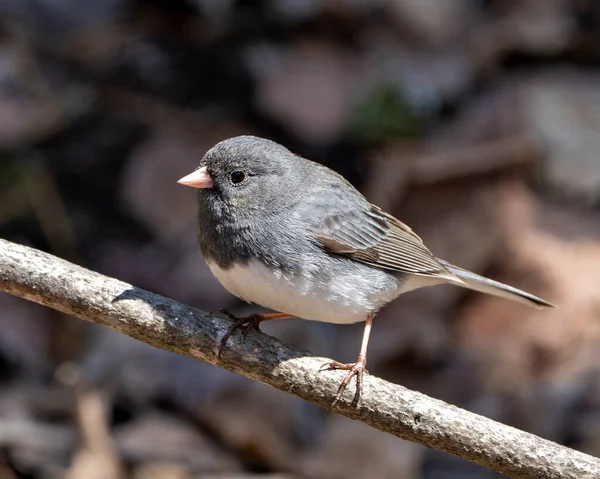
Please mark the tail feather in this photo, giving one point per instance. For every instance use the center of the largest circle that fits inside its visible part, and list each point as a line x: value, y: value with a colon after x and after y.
x: 489, y: 286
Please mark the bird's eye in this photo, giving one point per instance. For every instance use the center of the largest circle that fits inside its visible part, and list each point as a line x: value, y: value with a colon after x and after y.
x: 237, y: 177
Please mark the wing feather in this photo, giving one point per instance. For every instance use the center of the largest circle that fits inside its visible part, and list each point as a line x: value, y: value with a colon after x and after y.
x: 377, y: 238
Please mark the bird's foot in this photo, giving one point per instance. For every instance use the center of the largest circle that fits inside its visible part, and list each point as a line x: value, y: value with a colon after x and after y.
x: 248, y: 323
x: 357, y: 369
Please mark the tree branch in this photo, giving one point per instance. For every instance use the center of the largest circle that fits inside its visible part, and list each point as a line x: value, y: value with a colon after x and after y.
x: 166, y: 324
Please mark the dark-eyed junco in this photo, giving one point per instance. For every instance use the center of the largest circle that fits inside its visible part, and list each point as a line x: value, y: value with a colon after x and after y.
x: 295, y: 237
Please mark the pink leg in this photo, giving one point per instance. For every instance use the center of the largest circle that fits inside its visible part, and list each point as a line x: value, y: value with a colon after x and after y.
x: 354, y: 369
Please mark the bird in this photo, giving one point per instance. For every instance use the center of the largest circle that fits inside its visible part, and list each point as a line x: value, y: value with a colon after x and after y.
x: 295, y: 237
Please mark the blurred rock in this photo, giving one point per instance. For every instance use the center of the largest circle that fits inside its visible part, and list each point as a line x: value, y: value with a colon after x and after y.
x: 489, y: 136
x: 6, y: 471
x: 264, y: 426
x: 149, y: 181
x: 493, y: 115
x: 142, y: 374
x: 216, y: 11
x: 159, y: 438
x: 428, y: 78
x: 399, y: 166
x: 173, y: 68
x: 564, y: 110
x: 582, y: 419
x: 35, y: 447
x: 351, y: 450
x: 142, y: 60
x: 249, y: 426
x: 296, y: 9
x: 97, y: 457
x: 586, y: 33
x: 247, y: 475
x: 15, y: 112
x: 308, y: 87
x: 482, y: 158
x: 38, y: 98
x: 433, y: 21
x: 162, y: 470
x: 26, y: 333
x: 65, y: 16
x: 539, y: 27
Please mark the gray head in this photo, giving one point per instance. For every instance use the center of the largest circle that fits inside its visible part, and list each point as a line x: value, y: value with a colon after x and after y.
x: 245, y: 176
x: 244, y: 185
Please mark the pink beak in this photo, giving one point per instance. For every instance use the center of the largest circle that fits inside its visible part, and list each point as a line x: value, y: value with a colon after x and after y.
x: 198, y: 179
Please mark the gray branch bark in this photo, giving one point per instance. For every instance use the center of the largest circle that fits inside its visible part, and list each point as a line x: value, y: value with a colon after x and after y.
x: 166, y: 324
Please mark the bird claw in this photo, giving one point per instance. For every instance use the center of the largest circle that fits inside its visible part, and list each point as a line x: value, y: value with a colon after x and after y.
x: 223, y: 312
x: 248, y: 323
x: 357, y: 369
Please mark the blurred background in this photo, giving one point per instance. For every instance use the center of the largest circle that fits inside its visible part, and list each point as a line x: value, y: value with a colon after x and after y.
x: 477, y: 122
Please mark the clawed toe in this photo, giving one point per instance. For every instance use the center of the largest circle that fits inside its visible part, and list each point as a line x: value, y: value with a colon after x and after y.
x: 357, y: 369
x: 224, y: 312
x: 332, y: 365
x: 248, y: 323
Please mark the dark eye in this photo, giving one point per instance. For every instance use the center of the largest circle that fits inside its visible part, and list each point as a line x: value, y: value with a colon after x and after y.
x: 237, y: 177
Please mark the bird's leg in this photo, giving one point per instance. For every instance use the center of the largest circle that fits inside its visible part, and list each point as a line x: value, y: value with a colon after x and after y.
x: 354, y: 369
x: 249, y: 323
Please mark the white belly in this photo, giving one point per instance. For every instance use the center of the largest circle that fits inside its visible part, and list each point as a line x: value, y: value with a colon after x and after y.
x: 342, y: 301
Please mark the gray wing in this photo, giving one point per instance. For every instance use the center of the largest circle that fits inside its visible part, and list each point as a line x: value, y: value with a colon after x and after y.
x: 374, y: 237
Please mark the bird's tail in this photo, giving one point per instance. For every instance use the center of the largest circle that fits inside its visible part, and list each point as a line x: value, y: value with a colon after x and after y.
x: 489, y: 286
